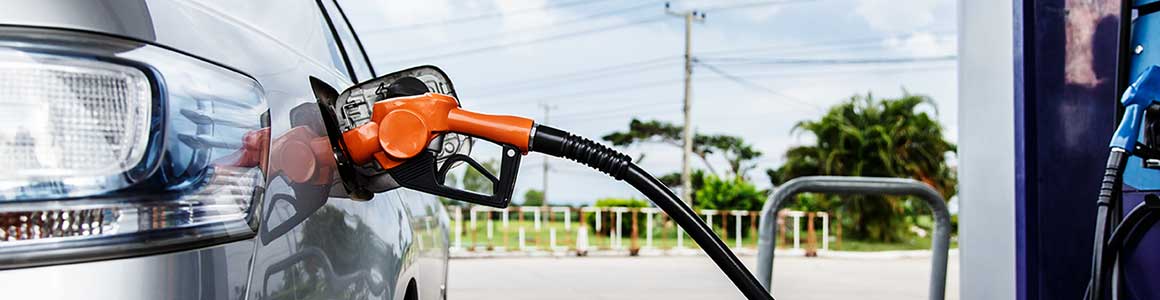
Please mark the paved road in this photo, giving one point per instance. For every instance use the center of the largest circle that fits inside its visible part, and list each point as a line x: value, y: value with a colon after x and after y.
x: 694, y: 277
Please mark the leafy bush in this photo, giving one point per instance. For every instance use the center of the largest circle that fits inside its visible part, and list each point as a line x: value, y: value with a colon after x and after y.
x: 620, y: 202
x: 533, y: 197
x: 728, y: 194
x: 626, y: 227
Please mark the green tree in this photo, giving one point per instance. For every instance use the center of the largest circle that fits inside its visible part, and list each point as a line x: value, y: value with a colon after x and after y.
x: 533, y: 197
x: 673, y: 180
x: 738, y: 154
x: 864, y: 136
x: 469, y: 179
x: 474, y: 181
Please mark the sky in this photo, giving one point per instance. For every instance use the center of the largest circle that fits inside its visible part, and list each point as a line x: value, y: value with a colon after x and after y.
x: 764, y: 65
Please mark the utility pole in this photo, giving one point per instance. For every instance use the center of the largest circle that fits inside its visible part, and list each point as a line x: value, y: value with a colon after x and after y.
x: 687, y: 135
x: 547, y: 110
x: 690, y: 16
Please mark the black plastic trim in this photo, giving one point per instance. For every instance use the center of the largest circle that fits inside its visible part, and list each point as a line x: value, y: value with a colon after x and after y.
x: 337, y: 41
x: 357, y: 39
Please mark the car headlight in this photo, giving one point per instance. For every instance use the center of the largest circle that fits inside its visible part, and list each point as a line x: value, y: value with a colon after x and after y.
x: 112, y: 148
x: 69, y: 126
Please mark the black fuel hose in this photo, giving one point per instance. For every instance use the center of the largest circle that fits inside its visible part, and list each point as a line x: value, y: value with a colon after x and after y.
x: 562, y: 144
x: 1125, y: 235
x: 1109, y: 191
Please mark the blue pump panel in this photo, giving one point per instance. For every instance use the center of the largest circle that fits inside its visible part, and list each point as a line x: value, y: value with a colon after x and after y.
x: 1140, y: 3
x: 1065, y: 110
x: 1141, y: 263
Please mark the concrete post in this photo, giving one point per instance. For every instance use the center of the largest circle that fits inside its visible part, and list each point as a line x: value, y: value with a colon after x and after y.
x: 552, y: 238
x: 618, y: 242
x: 709, y: 217
x: 523, y: 242
x: 568, y: 219
x: 536, y: 217
x: 825, y: 230
x: 458, y: 227
x: 797, y: 228
x: 597, y: 214
x: 737, y: 226
x: 648, y: 227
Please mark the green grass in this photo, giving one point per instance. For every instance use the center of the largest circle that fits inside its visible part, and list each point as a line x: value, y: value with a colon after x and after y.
x: 918, y: 243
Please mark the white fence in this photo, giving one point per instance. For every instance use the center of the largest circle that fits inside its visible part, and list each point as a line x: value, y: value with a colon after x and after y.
x: 604, y: 228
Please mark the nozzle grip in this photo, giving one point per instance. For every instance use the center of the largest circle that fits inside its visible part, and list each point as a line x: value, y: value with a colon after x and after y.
x: 507, y: 130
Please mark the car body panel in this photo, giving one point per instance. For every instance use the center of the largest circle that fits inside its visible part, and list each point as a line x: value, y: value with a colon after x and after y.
x: 309, y: 246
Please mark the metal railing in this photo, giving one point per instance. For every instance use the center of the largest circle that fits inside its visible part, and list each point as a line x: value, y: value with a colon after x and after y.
x: 940, y: 242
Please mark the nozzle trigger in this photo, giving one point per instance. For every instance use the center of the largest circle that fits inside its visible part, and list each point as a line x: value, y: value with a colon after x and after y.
x: 421, y: 173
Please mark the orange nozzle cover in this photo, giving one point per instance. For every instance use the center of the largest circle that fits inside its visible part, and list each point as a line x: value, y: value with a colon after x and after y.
x: 401, y: 128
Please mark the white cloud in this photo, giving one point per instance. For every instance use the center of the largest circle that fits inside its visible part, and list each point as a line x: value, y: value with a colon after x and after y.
x: 893, y: 16
x: 406, y: 12
x: 923, y: 44
x: 513, y: 19
x: 762, y: 14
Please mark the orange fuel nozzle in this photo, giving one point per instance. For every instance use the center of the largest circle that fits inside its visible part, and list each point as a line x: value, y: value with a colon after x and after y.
x: 401, y: 128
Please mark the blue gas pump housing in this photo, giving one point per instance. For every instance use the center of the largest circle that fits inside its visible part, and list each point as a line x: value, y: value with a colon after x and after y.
x: 1140, y: 263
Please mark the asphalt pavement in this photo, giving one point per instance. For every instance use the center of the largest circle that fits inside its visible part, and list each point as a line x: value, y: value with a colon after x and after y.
x: 689, y: 277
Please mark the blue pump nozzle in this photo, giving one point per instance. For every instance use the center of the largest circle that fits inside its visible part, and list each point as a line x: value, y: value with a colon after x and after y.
x: 1144, y: 91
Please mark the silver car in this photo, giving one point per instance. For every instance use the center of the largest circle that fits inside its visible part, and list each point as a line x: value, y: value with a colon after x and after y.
x: 172, y: 149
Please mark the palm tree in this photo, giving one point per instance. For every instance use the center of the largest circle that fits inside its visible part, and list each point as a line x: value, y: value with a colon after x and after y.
x: 867, y: 137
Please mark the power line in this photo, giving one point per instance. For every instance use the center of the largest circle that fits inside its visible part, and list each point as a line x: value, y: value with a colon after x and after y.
x: 510, y: 87
x: 478, y: 17
x: 587, y: 94
x: 829, y: 61
x: 516, y: 87
x: 756, y: 86
x: 586, y: 18
x: 753, y: 4
x: 811, y: 49
x: 630, y: 110
x: 483, y: 49
x: 600, y: 91
x: 579, y: 33
x: 842, y: 42
x: 619, y: 114
x: 650, y: 64
x: 618, y: 108
x: 624, y: 110
x: 654, y: 108
x: 836, y: 71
